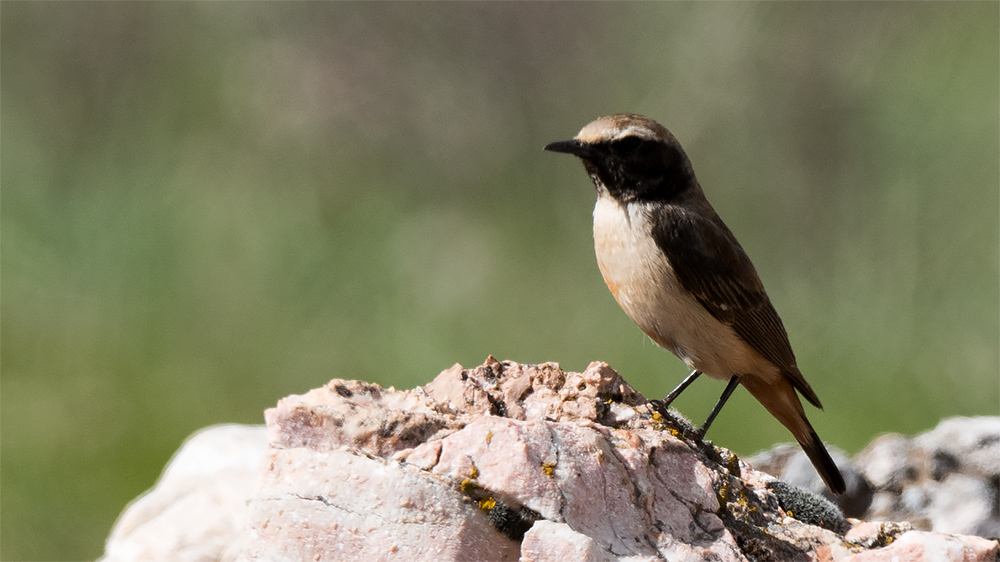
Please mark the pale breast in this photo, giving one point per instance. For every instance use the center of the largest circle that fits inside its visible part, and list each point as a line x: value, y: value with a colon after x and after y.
x: 643, y: 282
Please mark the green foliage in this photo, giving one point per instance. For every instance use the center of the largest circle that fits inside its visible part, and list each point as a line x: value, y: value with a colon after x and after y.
x: 206, y: 207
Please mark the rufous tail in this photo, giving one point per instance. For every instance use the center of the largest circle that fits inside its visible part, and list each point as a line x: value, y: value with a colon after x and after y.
x: 783, y: 403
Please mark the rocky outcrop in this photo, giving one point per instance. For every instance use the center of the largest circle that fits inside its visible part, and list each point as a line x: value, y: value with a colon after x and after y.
x: 521, y: 462
x: 945, y: 480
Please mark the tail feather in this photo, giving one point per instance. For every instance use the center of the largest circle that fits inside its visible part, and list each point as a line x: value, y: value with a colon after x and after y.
x: 794, y: 376
x: 783, y: 403
x: 824, y: 464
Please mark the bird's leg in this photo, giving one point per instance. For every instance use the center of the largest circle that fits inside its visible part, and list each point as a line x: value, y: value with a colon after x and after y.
x: 733, y: 383
x: 680, y: 388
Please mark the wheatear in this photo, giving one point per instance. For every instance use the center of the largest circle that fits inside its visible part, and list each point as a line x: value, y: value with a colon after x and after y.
x: 679, y: 273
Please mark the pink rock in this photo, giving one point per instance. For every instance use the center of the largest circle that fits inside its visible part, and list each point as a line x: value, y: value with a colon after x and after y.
x: 503, y: 462
x: 339, y: 505
x: 548, y: 541
x: 423, y: 472
x: 922, y: 546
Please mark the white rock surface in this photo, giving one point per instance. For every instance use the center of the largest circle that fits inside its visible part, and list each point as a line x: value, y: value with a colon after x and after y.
x: 923, y: 546
x: 548, y: 541
x: 198, y: 508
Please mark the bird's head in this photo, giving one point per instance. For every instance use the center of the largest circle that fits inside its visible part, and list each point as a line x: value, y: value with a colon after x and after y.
x: 630, y: 157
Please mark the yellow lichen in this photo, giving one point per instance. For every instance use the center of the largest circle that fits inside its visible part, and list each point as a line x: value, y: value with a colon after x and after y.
x: 658, y: 421
x: 723, y: 494
x: 487, y: 503
x: 549, y: 469
x: 733, y: 465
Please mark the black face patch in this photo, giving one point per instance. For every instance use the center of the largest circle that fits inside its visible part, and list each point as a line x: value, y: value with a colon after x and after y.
x: 633, y: 168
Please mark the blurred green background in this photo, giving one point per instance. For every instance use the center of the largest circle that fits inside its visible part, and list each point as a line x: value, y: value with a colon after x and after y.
x: 209, y: 206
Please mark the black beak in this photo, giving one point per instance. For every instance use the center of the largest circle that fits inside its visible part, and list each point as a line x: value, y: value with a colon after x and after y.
x: 573, y: 147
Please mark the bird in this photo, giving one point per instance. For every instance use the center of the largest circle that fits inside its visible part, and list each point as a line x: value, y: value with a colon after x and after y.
x: 679, y: 273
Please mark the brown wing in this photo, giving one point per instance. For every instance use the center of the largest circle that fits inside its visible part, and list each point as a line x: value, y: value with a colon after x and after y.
x: 712, y: 266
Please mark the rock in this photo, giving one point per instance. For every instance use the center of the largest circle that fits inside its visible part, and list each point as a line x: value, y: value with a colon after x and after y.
x: 198, y: 509
x: 921, y: 546
x: 340, y: 505
x: 518, y: 462
x: 548, y: 541
x: 461, y: 469
x: 945, y: 480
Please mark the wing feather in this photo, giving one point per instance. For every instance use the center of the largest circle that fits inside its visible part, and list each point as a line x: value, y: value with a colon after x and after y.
x: 713, y: 267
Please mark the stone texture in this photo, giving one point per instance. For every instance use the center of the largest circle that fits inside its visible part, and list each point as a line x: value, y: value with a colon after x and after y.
x: 945, y: 480
x: 459, y: 469
x: 548, y: 541
x: 510, y: 462
x: 198, y: 509
x: 922, y: 546
x: 338, y: 505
